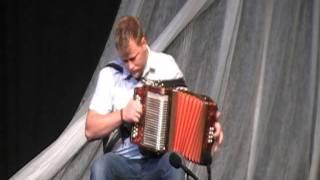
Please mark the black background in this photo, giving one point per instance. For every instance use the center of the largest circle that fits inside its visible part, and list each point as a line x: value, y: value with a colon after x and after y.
x: 49, y: 51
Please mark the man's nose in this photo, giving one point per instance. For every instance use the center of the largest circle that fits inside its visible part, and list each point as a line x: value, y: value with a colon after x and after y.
x: 130, y: 66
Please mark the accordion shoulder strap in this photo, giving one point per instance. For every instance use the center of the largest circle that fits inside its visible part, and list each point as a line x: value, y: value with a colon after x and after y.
x: 115, y: 66
x: 172, y: 83
x: 110, y: 141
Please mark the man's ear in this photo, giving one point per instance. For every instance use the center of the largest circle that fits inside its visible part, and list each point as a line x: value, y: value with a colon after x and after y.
x: 143, y: 41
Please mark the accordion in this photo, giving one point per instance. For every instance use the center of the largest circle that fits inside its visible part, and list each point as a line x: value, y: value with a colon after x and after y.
x: 175, y: 120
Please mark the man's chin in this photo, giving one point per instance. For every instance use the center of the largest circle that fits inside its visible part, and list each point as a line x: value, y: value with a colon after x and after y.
x: 137, y: 75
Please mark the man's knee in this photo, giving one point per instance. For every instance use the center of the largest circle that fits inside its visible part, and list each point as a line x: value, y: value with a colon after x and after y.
x: 170, y: 171
x: 101, y: 168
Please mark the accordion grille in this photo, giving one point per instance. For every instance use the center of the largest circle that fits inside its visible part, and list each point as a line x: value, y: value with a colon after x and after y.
x: 155, y: 130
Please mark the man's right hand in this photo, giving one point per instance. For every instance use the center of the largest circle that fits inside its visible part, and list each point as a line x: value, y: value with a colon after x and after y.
x: 132, y: 112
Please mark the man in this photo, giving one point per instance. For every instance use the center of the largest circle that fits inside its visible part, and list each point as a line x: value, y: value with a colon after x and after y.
x: 113, y: 107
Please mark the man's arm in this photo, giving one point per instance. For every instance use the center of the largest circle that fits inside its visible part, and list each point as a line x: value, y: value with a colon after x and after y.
x: 100, y: 125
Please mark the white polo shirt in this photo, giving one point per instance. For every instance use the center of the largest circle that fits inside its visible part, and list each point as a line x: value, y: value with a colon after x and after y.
x: 115, y: 88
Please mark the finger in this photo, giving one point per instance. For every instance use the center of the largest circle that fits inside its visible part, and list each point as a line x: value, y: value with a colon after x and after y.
x: 137, y: 97
x: 139, y: 109
x: 215, y: 148
x: 137, y: 102
x: 138, y: 106
x: 217, y: 129
x: 218, y: 115
x: 220, y: 139
x: 218, y: 142
x: 135, y: 119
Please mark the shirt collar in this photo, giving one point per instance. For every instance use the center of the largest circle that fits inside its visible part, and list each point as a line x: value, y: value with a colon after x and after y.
x: 149, y: 65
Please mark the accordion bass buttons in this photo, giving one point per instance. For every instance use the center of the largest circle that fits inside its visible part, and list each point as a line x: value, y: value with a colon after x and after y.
x: 210, y: 135
x: 135, y: 131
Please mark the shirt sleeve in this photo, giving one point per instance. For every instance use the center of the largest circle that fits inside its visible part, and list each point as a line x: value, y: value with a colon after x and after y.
x: 102, y: 99
x: 173, y: 68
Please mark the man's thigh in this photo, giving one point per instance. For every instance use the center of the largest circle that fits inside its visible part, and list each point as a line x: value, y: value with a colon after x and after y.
x: 112, y: 166
x: 160, y: 168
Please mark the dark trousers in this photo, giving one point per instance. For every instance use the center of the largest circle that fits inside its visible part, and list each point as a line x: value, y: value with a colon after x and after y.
x: 111, y: 166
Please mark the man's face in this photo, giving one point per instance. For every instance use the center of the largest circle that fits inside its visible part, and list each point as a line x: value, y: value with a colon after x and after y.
x: 134, y: 57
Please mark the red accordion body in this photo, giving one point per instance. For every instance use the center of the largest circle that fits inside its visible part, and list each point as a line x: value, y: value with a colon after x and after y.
x: 175, y: 120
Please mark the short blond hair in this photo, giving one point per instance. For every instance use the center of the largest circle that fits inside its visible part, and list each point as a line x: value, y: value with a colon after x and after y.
x: 128, y: 27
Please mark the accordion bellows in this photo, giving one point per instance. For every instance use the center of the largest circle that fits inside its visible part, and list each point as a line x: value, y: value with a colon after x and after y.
x: 175, y: 120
